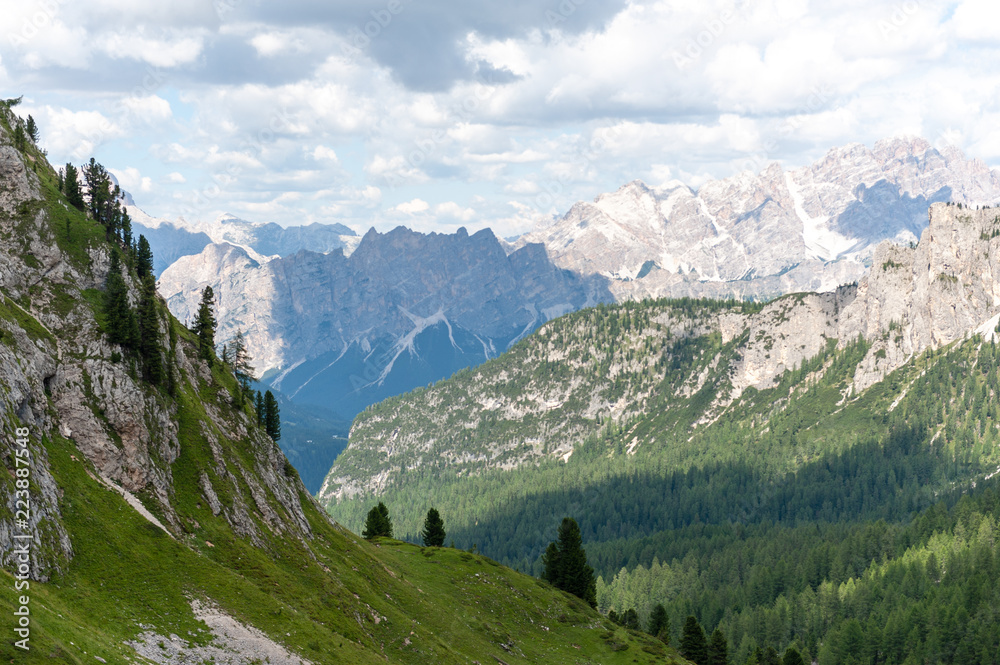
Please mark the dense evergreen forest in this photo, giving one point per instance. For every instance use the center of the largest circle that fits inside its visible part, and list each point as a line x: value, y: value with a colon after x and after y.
x: 854, y: 529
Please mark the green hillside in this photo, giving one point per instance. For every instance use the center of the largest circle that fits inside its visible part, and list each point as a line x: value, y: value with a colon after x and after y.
x: 163, y: 518
x: 742, y: 513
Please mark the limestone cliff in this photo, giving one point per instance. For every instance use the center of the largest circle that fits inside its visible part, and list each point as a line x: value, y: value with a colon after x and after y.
x: 61, y: 378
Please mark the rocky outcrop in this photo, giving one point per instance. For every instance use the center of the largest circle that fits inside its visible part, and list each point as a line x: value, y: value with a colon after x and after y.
x: 927, y: 296
x: 61, y: 379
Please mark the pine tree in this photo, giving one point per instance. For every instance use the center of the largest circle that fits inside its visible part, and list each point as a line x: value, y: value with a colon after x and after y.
x: 566, y: 564
x: 20, y: 139
x: 378, y: 523
x: 125, y: 228
x: 32, y: 129
x: 118, y: 313
x: 659, y: 623
x: 259, y: 408
x: 433, y: 533
x: 630, y: 619
x: 718, y: 649
x: 272, y: 417
x: 770, y: 656
x: 792, y: 657
x: 71, y: 186
x: 143, y: 258
x: 550, y: 563
x: 204, y: 325
x: 693, y: 645
x: 239, y: 357
x: 149, y: 333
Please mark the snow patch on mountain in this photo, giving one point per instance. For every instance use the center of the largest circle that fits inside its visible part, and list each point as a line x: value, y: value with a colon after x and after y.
x: 823, y: 243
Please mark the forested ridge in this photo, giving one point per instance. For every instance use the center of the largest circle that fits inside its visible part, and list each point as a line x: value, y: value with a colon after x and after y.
x: 802, y: 515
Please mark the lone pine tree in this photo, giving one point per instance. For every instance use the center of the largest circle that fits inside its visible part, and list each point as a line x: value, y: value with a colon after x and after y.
x: 378, y: 522
x: 272, y: 416
x: 718, y: 649
x: 143, y: 258
x: 71, y: 187
x: 204, y: 326
x: 259, y: 408
x: 433, y: 533
x: 566, y: 566
x: 659, y: 623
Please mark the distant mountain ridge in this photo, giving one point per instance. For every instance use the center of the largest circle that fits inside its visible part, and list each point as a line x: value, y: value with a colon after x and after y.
x: 403, y: 309
x: 340, y: 321
x: 631, y: 394
x: 172, y: 240
x: 764, y: 235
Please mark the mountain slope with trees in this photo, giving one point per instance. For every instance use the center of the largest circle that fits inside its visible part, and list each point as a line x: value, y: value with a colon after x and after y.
x: 730, y: 461
x: 161, y: 516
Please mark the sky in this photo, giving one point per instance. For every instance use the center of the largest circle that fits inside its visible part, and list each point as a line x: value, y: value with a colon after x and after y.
x: 436, y: 114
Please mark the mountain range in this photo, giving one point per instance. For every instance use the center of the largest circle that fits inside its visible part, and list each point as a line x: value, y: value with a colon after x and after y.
x: 761, y: 235
x: 337, y: 322
x: 147, y: 517
x: 820, y: 472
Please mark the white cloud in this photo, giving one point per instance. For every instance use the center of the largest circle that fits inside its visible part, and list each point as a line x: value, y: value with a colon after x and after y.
x: 451, y: 210
x: 131, y: 180
x: 75, y: 135
x: 977, y: 20
x: 181, y: 49
x: 306, y: 131
x: 413, y: 207
x: 269, y: 43
x: 323, y: 153
x: 396, y: 171
x: 149, y: 110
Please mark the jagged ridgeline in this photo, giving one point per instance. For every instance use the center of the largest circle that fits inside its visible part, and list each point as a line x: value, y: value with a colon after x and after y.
x: 163, y: 525
x: 709, y: 449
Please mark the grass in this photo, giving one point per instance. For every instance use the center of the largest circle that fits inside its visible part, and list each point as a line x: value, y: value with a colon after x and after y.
x: 16, y: 314
x: 347, y: 601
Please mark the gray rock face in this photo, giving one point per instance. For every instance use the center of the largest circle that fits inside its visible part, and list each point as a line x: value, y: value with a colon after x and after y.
x: 762, y: 235
x: 928, y: 296
x: 60, y: 378
x: 375, y: 305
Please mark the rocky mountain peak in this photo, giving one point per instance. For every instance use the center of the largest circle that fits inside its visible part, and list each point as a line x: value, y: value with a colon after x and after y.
x: 760, y: 235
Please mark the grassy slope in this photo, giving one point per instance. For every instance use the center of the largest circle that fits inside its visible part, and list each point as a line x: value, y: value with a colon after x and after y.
x: 452, y: 606
x: 336, y: 598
